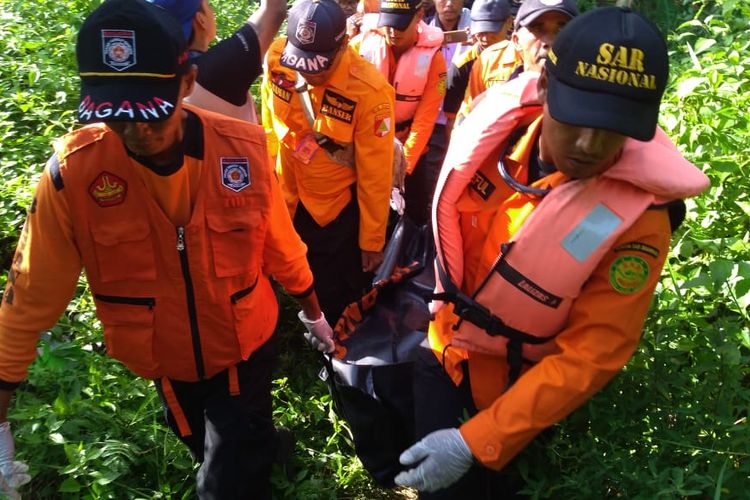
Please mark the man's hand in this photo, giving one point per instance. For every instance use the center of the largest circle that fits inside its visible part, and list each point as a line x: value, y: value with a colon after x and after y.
x: 319, y: 333
x: 371, y: 261
x: 443, y: 457
x: 12, y: 474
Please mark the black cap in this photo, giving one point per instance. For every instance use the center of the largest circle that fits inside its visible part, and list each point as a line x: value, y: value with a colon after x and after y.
x: 397, y: 14
x: 531, y: 9
x: 315, y: 31
x: 488, y: 16
x: 608, y: 69
x: 130, y: 59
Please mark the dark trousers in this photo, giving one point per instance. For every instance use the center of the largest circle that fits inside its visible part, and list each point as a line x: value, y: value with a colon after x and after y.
x: 233, y: 436
x: 420, y: 185
x: 335, y: 258
x: 439, y: 404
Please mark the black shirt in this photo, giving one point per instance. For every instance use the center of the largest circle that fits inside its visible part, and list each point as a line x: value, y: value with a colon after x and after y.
x: 229, y: 68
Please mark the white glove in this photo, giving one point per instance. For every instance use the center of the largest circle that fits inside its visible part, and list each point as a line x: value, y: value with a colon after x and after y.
x: 319, y: 333
x: 444, y: 456
x: 12, y: 474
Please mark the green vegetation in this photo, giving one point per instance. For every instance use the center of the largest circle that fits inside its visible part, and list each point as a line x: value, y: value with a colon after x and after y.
x: 672, y: 425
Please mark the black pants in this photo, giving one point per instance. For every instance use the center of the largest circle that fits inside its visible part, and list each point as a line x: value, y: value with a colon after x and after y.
x: 420, y: 185
x: 233, y: 436
x: 335, y: 258
x: 439, y: 404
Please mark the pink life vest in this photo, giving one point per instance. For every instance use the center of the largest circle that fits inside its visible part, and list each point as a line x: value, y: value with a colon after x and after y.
x: 525, y: 299
x: 412, y: 69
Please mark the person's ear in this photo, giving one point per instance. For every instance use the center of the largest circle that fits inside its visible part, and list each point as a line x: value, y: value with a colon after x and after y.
x: 514, y: 41
x: 541, y: 86
x: 188, y: 81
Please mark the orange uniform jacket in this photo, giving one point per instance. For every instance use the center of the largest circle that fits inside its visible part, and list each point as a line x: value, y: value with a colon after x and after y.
x: 603, y: 328
x: 354, y: 109
x: 181, y: 293
x: 494, y: 65
x: 423, y: 121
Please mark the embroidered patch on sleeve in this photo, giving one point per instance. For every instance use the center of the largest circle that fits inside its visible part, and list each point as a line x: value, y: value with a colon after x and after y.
x: 382, y: 109
x: 637, y: 246
x: 382, y: 126
x: 628, y: 274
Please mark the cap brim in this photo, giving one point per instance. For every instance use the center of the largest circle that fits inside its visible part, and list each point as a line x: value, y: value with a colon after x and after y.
x: 531, y: 17
x: 585, y: 108
x: 121, y: 99
x: 396, y: 21
x: 309, y: 63
x: 486, y: 26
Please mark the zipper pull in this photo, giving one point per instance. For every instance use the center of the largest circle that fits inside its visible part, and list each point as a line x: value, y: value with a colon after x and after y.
x: 180, y: 239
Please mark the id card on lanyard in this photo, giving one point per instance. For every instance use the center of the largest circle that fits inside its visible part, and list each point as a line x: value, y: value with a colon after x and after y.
x: 306, y: 148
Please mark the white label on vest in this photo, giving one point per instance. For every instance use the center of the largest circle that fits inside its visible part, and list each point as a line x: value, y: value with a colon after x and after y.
x: 591, y: 232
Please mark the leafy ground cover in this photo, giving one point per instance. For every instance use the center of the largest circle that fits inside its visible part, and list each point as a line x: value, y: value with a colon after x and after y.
x: 672, y: 425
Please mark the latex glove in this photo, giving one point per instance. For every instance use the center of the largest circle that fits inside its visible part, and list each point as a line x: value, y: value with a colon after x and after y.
x: 443, y: 457
x: 319, y: 333
x: 12, y: 474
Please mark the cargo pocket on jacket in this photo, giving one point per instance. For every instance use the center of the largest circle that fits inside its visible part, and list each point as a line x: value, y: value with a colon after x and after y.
x: 255, y: 311
x: 231, y: 235
x: 129, y: 331
x: 124, y: 251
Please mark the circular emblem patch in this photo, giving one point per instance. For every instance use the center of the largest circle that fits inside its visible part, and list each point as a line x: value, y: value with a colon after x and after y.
x: 628, y: 274
x: 306, y: 32
x: 118, y: 50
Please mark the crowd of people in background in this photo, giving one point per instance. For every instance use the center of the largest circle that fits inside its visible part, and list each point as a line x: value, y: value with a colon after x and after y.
x: 522, y: 133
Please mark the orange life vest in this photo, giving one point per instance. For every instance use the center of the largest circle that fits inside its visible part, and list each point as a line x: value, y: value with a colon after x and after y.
x: 178, y: 302
x: 412, y: 68
x: 525, y: 298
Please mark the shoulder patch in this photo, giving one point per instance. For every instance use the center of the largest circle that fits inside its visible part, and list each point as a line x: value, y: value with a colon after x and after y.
x: 637, y: 246
x: 337, y: 106
x: 628, y: 274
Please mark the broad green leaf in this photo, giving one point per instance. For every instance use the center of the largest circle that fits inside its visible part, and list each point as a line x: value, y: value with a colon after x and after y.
x: 70, y: 485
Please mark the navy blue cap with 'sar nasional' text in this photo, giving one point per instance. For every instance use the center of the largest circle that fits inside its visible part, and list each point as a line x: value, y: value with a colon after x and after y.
x: 608, y: 69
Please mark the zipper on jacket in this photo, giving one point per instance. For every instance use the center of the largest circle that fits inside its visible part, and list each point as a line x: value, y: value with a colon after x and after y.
x: 190, y: 296
x: 132, y: 301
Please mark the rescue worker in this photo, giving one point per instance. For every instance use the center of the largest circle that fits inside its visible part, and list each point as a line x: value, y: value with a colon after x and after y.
x: 332, y: 113
x: 178, y: 221
x: 449, y: 15
x: 535, y: 27
x: 552, y: 220
x: 227, y: 69
x: 490, y: 21
x: 407, y: 53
